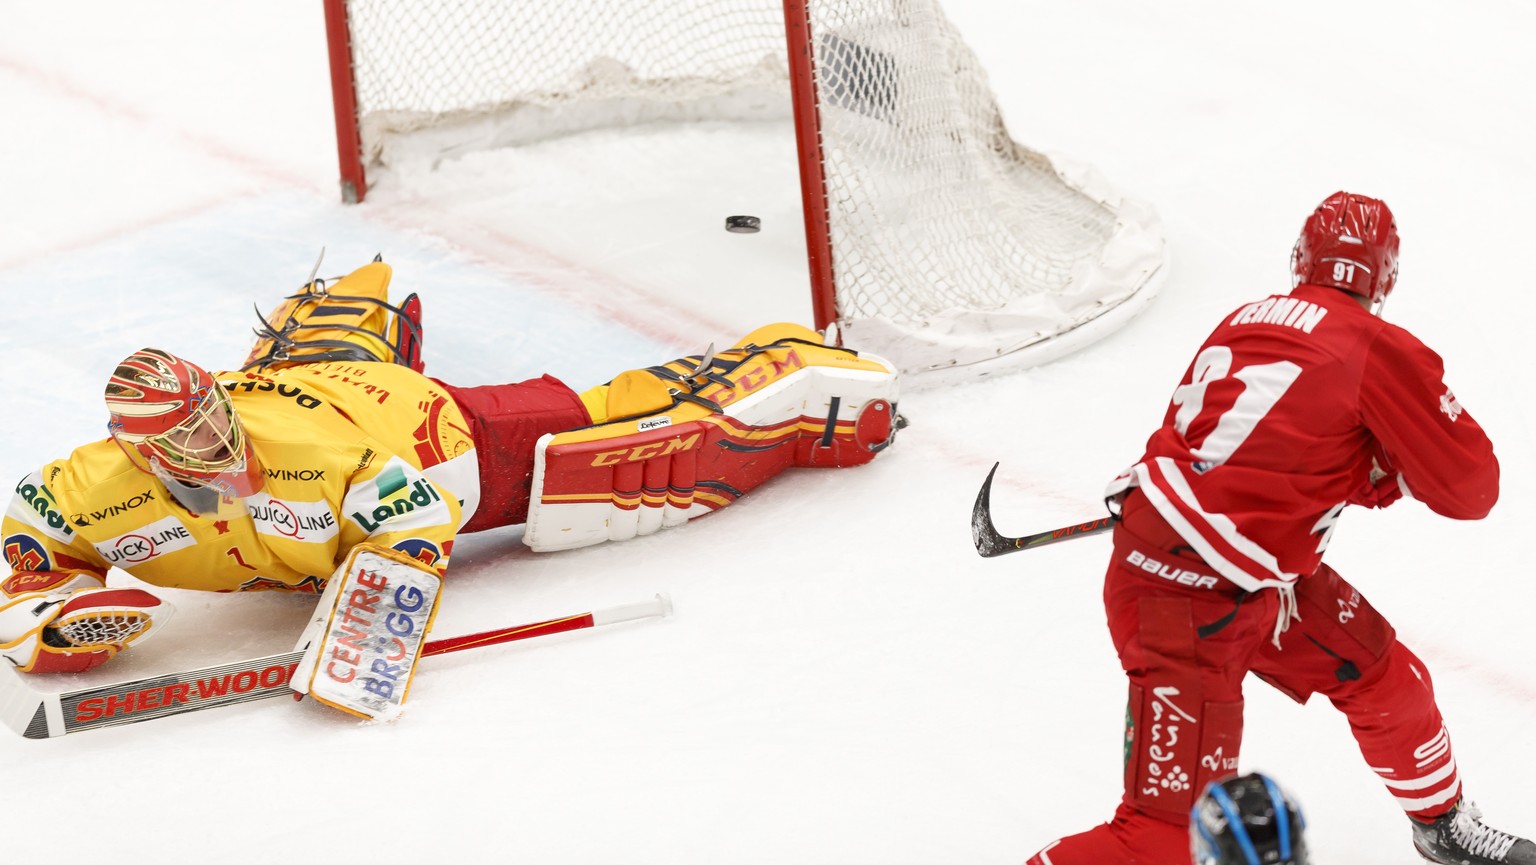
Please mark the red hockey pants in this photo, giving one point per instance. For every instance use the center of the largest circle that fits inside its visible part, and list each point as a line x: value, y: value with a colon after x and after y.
x: 505, y: 423
x: 1186, y: 639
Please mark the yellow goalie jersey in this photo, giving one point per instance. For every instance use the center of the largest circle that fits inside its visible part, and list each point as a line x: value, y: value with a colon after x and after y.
x: 349, y: 452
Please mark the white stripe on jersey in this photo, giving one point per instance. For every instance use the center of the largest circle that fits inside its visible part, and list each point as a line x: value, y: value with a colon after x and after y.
x: 1258, y: 567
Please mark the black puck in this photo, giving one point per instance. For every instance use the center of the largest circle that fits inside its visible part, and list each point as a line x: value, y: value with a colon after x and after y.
x: 743, y: 224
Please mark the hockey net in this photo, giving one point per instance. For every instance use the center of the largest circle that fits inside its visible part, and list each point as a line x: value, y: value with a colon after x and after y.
x: 934, y: 239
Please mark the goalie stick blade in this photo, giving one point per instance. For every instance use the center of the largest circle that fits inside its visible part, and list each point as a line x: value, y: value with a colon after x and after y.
x: 144, y: 699
x: 991, y: 543
x: 24, y: 710
x: 40, y: 715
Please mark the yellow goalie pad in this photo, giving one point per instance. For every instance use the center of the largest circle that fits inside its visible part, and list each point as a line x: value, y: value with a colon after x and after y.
x: 692, y: 436
x: 347, y: 319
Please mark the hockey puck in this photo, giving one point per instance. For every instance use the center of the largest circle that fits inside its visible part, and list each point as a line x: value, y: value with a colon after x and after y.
x: 743, y: 224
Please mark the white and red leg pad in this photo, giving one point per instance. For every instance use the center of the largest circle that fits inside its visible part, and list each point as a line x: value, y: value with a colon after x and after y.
x: 70, y: 629
x: 757, y: 411
x: 361, y: 647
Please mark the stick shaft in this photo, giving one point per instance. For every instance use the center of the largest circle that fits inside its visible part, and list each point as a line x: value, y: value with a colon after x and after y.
x: 38, y: 715
x: 660, y: 606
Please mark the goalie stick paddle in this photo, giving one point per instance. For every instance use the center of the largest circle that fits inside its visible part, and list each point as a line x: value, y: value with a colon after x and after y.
x: 40, y: 715
x: 990, y: 542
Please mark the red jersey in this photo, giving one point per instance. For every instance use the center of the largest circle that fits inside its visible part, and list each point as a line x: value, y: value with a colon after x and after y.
x: 1282, y: 415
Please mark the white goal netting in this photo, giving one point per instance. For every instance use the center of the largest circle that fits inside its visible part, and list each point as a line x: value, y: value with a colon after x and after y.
x: 952, y: 247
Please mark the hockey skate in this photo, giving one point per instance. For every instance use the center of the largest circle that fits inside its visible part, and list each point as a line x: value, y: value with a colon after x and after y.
x: 1461, y: 838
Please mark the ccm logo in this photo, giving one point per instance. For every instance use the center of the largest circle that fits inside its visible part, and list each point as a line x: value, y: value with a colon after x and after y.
x: 645, y: 452
x: 1168, y: 572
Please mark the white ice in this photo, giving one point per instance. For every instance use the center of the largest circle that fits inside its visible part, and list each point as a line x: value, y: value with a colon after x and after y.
x: 844, y: 680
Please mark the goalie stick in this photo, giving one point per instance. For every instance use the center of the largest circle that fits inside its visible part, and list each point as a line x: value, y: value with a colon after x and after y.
x: 40, y: 715
x: 990, y: 542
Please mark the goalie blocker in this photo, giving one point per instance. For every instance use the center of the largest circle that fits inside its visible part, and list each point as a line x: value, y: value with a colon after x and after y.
x: 692, y: 436
x: 361, y: 647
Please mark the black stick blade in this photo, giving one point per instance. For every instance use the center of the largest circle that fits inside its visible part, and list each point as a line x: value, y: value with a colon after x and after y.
x: 984, y: 534
x: 989, y: 542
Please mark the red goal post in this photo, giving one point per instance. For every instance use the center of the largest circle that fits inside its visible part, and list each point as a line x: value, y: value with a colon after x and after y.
x: 932, y: 237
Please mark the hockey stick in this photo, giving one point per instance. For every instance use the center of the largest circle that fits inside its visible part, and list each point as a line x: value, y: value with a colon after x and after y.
x: 39, y: 715
x: 990, y: 542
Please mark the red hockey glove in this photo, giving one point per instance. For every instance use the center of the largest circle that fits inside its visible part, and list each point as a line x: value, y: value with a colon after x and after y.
x: 1383, y: 492
x: 74, y: 623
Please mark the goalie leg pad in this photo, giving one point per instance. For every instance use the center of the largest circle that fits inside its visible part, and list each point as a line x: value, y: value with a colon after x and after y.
x: 361, y: 647
x: 711, y: 430
x: 350, y: 320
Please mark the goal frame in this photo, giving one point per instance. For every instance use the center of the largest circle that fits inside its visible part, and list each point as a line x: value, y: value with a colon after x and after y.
x: 979, y: 321
x: 807, y: 120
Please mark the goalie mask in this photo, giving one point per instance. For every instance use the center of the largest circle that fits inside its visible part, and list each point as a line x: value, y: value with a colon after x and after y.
x: 1350, y: 242
x: 176, y: 422
x: 1247, y: 820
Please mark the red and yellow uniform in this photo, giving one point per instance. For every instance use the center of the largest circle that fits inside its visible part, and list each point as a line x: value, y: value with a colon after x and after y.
x: 270, y: 479
x: 350, y: 452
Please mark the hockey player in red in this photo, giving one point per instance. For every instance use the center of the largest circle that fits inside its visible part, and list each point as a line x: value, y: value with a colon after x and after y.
x: 331, y: 439
x: 1295, y: 407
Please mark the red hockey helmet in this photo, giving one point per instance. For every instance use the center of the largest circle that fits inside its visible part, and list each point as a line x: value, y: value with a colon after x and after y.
x: 175, y: 421
x: 1349, y: 242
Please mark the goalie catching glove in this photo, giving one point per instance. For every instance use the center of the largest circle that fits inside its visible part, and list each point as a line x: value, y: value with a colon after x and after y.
x: 361, y: 647
x: 56, y: 622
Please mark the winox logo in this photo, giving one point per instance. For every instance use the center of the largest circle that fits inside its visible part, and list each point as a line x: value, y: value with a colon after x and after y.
x: 122, y: 507
x: 149, y: 542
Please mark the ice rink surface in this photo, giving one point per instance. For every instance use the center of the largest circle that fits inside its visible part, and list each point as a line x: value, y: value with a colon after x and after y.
x: 844, y: 681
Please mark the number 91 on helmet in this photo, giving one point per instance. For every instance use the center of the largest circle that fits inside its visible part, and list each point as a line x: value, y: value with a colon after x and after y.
x: 1349, y: 242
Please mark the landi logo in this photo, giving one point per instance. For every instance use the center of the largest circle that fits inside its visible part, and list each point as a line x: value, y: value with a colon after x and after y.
x: 40, y: 500
x: 397, y: 496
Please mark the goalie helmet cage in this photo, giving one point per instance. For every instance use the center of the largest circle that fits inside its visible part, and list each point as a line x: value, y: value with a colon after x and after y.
x: 934, y: 239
